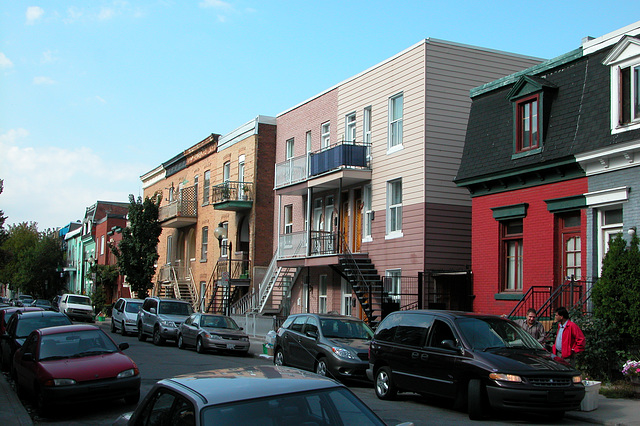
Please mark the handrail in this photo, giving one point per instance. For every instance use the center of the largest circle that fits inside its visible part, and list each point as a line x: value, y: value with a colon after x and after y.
x: 262, y: 301
x: 526, y: 298
x: 360, y: 276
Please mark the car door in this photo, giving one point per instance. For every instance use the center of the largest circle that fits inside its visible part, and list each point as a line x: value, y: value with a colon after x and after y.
x: 117, y: 315
x: 309, y: 343
x: 25, y: 369
x: 189, y: 329
x: 439, y: 371
x: 408, y: 358
x: 294, y: 354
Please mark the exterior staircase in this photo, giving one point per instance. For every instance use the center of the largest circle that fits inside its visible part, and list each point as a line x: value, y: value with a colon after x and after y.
x: 177, y: 283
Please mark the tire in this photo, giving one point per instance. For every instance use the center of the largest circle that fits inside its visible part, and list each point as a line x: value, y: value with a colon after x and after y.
x: 133, y: 398
x: 180, y: 342
x: 278, y: 358
x: 158, y: 340
x: 383, y: 384
x: 113, y: 325
x: 141, y: 335
x: 123, y: 330
x: 199, y: 346
x: 475, y: 400
x: 321, y: 367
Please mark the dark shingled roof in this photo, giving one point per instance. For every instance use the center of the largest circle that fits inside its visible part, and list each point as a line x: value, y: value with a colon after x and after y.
x: 576, y: 121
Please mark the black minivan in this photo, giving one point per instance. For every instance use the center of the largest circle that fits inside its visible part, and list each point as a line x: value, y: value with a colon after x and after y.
x: 479, y: 360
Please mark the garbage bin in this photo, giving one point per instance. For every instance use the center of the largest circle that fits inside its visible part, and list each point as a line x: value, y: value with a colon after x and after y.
x: 591, y: 392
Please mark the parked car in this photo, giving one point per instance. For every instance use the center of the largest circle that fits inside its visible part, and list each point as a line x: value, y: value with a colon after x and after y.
x: 7, y: 312
x: 212, y: 332
x: 55, y: 302
x: 76, y: 306
x: 22, y: 300
x: 330, y: 345
x: 261, y: 395
x: 42, y: 303
x: 160, y: 319
x: 124, y: 315
x: 486, y: 360
x: 74, y: 364
x: 19, y: 327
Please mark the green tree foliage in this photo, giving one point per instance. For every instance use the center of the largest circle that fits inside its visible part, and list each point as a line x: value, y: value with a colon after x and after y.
x: 4, y: 255
x: 137, y: 252
x: 106, y: 276
x: 33, y: 260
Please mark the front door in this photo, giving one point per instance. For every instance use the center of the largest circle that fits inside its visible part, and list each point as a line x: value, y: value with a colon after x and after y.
x: 570, y: 252
x: 357, y: 231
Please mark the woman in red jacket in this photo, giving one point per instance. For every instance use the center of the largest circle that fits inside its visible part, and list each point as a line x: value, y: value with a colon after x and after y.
x: 569, y: 340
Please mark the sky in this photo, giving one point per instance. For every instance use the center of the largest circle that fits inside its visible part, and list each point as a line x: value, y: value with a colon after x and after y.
x: 95, y: 93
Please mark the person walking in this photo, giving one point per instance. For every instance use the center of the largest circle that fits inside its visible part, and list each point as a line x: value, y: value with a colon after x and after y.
x: 531, y: 325
x: 569, y: 340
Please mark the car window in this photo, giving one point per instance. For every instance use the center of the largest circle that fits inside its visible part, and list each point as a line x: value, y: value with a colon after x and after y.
x: 30, y: 344
x: 26, y: 325
x: 75, y: 344
x: 167, y: 408
x: 440, y: 331
x: 214, y: 321
x: 298, y: 323
x: 345, y: 329
x: 80, y: 300
x: 118, y: 305
x: 413, y: 330
x: 311, y: 325
x: 132, y: 307
x: 483, y: 333
x: 175, y: 308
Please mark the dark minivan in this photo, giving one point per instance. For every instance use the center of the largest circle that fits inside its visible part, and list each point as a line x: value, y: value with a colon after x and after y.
x: 479, y: 360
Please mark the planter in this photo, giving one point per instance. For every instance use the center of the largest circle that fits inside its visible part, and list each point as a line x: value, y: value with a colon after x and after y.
x: 591, y: 393
x: 100, y: 319
x: 635, y: 383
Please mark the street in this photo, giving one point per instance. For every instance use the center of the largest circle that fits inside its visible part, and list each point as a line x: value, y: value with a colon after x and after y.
x: 156, y: 363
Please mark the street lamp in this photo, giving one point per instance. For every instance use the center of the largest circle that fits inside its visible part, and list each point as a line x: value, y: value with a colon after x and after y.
x: 220, y: 233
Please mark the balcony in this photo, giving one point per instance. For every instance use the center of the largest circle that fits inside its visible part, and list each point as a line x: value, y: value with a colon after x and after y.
x: 294, y: 245
x: 345, y: 160
x: 232, y: 196
x: 181, y: 211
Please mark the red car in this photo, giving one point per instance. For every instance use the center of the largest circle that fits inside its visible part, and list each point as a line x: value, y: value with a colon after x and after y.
x: 73, y: 364
x: 6, y: 312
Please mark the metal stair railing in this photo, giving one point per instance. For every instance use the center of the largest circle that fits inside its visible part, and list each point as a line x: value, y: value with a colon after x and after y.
x: 268, y: 282
x: 360, y: 278
x: 536, y: 295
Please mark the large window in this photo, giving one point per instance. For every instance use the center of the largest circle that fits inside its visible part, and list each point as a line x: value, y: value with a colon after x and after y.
x: 512, y: 254
x: 205, y: 244
x: 527, y: 124
x: 205, y: 187
x: 629, y: 87
x: 395, y: 121
x: 325, y: 135
x: 350, y: 127
x: 394, y: 206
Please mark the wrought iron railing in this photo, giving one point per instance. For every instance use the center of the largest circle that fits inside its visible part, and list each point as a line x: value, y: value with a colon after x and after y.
x: 232, y: 191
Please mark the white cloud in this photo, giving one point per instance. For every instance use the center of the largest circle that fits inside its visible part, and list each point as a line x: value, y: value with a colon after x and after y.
x: 53, y: 186
x: 100, y: 99
x: 106, y: 13
x: 43, y: 80
x: 49, y: 57
x: 216, y: 4
x: 4, y: 61
x: 34, y: 13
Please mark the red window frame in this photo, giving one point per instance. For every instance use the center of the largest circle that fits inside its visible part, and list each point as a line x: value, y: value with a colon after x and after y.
x: 506, y: 238
x: 527, y: 140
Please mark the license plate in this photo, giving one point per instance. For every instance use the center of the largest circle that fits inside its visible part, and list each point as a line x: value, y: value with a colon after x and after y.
x: 230, y: 346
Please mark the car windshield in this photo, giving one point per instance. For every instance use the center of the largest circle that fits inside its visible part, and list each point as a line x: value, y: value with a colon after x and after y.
x: 26, y: 325
x: 215, y: 321
x: 175, y: 308
x: 80, y: 300
x: 345, y: 329
x: 489, y: 333
x: 43, y: 302
x: 132, y: 307
x: 336, y: 406
x: 75, y: 344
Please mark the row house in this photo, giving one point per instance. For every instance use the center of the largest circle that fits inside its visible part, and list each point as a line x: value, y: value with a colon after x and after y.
x: 551, y: 163
x: 368, y: 219
x: 72, y: 247
x: 216, y: 213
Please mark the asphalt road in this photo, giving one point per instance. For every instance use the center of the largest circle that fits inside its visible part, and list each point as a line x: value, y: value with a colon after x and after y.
x: 156, y: 363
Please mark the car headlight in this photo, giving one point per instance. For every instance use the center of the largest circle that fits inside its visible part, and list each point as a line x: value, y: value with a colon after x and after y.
x: 127, y: 373
x: 60, y: 382
x: 214, y: 337
x: 167, y: 323
x: 244, y: 339
x: 130, y: 321
x: 577, y: 379
x: 505, y: 377
x: 343, y: 353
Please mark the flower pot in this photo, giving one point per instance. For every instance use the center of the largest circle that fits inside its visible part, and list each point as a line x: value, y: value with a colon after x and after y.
x: 635, y: 383
x: 591, y: 392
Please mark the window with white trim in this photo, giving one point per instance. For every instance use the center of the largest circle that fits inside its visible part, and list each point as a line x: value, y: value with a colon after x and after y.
x: 350, y: 127
x: 368, y: 214
x: 624, y: 62
x: 101, y: 245
x: 226, y: 172
x: 366, y: 129
x: 392, y: 285
x: 289, y: 149
x: 322, y: 294
x: 610, y: 224
x: 325, y: 135
x: 224, y: 247
x: 395, y: 120
x: 288, y: 224
x: 394, y: 206
x: 204, y: 248
x: 205, y: 187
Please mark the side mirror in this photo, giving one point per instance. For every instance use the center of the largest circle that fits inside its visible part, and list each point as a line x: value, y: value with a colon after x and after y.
x: 449, y: 344
x: 152, y: 310
x: 122, y: 346
x: 313, y: 334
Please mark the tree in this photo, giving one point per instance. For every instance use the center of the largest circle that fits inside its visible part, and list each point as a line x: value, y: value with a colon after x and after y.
x: 4, y: 255
x: 137, y: 252
x: 106, y: 276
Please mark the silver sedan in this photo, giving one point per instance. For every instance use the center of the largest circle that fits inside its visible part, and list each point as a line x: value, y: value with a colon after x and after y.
x: 212, y: 332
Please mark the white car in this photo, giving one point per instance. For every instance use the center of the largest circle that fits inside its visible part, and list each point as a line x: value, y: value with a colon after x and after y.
x: 124, y: 315
x: 76, y: 306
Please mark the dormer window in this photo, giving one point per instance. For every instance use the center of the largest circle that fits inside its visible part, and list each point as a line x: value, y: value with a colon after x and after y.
x: 527, y: 134
x: 624, y: 62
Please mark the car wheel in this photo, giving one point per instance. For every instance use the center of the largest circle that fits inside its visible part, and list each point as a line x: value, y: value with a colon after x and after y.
x: 133, y: 398
x: 123, y: 330
x: 141, y: 336
x: 278, y: 358
x: 199, y: 346
x: 158, y: 340
x: 385, y: 389
x: 113, y: 325
x: 180, y: 342
x: 475, y: 403
x: 321, y: 367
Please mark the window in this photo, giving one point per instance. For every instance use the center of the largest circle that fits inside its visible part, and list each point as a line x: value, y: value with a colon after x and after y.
x: 624, y: 63
x: 368, y: 214
x: 288, y: 219
x: 610, y: 224
x: 226, y: 172
x: 350, y: 128
x: 322, y: 294
x: 169, y: 248
x: 527, y: 125
x: 325, y: 135
x: 395, y: 121
x: 205, y: 243
x: 512, y: 254
x: 101, y: 245
x: 366, y: 129
x: 241, y: 187
x: 394, y: 206
x: 289, y: 149
x: 346, y: 298
x: 629, y: 93
x: 205, y: 187
x: 224, y: 246
x: 392, y: 284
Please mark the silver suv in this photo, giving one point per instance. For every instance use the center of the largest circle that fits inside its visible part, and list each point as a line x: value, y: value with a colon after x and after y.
x: 161, y: 318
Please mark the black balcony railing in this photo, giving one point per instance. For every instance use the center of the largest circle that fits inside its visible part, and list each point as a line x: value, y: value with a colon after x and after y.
x: 324, y: 242
x: 232, y: 191
x: 345, y: 154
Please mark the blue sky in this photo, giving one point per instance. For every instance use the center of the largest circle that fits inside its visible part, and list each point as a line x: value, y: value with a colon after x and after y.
x: 94, y: 94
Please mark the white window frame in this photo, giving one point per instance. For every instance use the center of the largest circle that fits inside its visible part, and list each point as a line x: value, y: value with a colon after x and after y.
x: 346, y: 298
x: 289, y: 149
x: 624, y: 56
x: 350, y: 127
x: 206, y: 187
x: 101, y: 245
x: 367, y: 220
x: 325, y: 135
x: 224, y: 246
x: 322, y: 294
x: 607, y: 231
x: 204, y: 245
x: 394, y: 209
x: 241, y: 163
x: 396, y: 283
x: 395, y: 135
x: 366, y: 130
x: 226, y: 172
